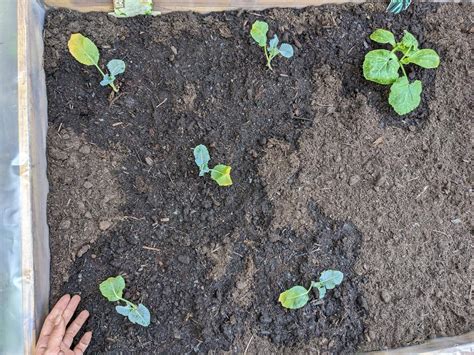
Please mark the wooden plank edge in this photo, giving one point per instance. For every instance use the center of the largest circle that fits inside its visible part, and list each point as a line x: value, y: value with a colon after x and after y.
x: 166, y: 6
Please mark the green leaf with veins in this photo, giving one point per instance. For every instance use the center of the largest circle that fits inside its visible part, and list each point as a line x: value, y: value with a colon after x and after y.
x: 83, y: 49
x: 409, y: 43
x: 273, y: 42
x: 286, y: 50
x: 124, y: 310
x: 294, y: 298
x: 425, y: 58
x: 397, y: 6
x: 405, y: 96
x: 331, y: 278
x: 259, y: 32
x: 202, y: 157
x: 383, y: 36
x: 112, y: 288
x: 116, y: 67
x: 140, y: 315
x: 381, y: 66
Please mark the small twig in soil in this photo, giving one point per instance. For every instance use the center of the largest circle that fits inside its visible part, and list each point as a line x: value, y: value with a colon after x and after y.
x: 248, y: 345
x: 422, y: 192
x: 150, y: 248
x: 237, y: 254
x: 161, y: 103
x: 440, y: 233
x: 112, y: 101
x: 378, y: 141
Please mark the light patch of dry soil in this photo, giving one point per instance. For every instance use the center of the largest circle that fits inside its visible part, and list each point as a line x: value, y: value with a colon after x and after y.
x: 408, y: 192
x: 82, y: 205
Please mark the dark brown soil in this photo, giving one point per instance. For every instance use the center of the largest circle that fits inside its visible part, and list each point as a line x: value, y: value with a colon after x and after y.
x: 325, y: 176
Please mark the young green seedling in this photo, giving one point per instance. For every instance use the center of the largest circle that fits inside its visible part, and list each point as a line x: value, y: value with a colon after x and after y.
x: 397, y: 6
x: 112, y: 289
x: 297, y: 296
x: 220, y: 173
x: 131, y: 8
x: 86, y: 52
x: 382, y: 66
x: 259, y: 34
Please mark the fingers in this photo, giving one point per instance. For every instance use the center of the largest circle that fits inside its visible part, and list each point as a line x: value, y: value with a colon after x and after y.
x: 49, y: 322
x: 83, y: 344
x: 74, y: 328
x: 71, y: 308
x: 56, y: 337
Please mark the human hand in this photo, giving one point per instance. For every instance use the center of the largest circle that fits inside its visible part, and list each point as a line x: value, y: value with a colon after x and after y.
x: 55, y: 339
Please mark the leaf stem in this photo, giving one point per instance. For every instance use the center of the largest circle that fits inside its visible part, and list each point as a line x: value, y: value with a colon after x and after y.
x: 134, y: 306
x: 269, y: 59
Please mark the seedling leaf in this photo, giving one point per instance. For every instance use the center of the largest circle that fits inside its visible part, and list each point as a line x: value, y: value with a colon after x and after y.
x: 259, y: 32
x: 294, y: 298
x: 202, y: 157
x: 409, y: 43
x: 405, y: 96
x: 124, y: 310
x: 112, y: 288
x: 140, y: 315
x: 116, y: 67
x: 273, y: 50
x: 83, y: 49
x: 321, y: 291
x: 331, y: 278
x: 107, y: 80
x: 425, y: 58
x: 381, y: 66
x: 286, y: 50
x: 397, y: 6
x: 132, y: 8
x: 221, y: 174
x: 383, y: 36
x: 273, y: 42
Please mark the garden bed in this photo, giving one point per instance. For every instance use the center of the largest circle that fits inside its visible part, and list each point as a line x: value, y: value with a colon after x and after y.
x: 326, y: 175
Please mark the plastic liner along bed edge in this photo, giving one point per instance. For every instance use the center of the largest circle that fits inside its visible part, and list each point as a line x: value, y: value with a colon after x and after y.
x: 24, y: 250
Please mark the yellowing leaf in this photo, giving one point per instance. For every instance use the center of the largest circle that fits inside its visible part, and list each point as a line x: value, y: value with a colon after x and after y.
x: 294, y: 298
x: 221, y: 174
x: 83, y: 49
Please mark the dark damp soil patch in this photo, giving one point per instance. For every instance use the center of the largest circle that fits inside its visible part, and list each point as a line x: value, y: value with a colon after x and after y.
x: 208, y: 262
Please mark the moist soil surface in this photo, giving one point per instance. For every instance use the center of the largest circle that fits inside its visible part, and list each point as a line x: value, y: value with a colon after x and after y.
x: 325, y: 175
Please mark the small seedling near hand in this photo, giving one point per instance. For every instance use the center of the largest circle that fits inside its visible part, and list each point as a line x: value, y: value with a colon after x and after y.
x: 382, y: 66
x: 86, y: 52
x: 259, y: 34
x: 297, y: 296
x: 112, y: 289
x: 220, y: 173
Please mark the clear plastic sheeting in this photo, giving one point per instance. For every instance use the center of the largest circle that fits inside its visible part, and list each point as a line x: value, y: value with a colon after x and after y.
x: 458, y: 345
x: 24, y: 251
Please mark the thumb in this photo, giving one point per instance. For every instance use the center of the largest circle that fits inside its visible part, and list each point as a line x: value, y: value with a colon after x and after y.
x: 56, y: 337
